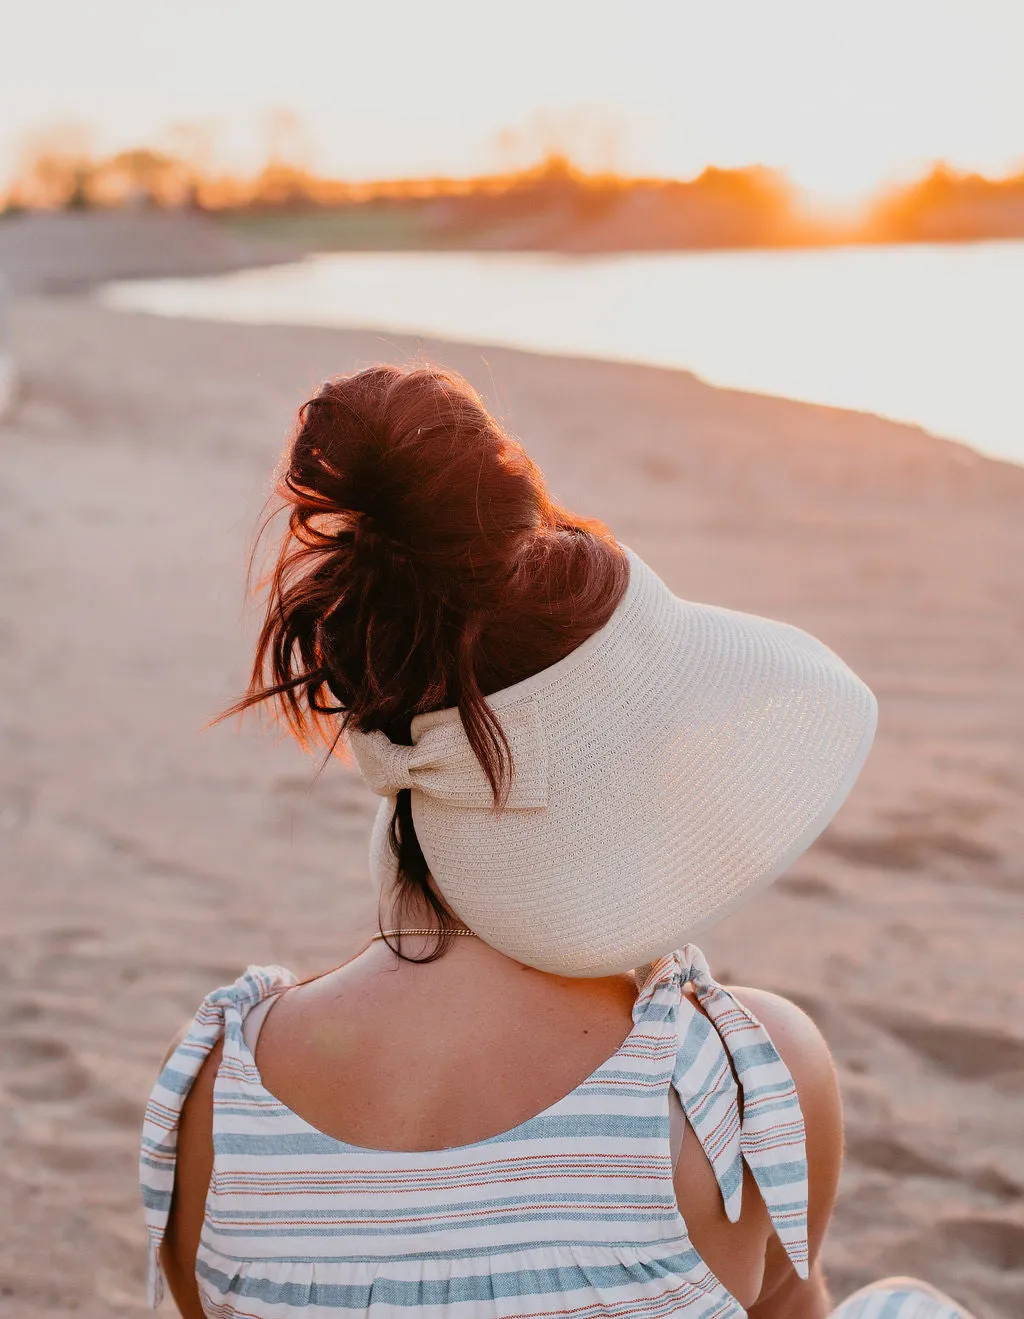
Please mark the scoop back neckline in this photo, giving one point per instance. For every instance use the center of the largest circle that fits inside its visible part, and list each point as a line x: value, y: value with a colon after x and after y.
x: 508, y: 1134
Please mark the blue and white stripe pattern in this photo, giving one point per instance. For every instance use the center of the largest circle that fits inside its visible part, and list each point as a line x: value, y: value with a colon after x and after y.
x: 900, y: 1298
x: 572, y: 1212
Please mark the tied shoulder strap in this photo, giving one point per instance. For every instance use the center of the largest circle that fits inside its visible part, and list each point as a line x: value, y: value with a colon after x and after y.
x: 737, y: 1094
x: 220, y: 1013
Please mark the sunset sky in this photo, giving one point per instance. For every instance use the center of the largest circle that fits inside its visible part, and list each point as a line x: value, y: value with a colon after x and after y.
x: 841, y: 96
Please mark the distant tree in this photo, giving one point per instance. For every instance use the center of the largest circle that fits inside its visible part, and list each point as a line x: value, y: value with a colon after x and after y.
x: 287, y: 140
x: 80, y: 198
x: 591, y: 137
x: 193, y: 145
x: 286, y: 179
x: 948, y: 206
x: 56, y: 167
x: 147, y: 177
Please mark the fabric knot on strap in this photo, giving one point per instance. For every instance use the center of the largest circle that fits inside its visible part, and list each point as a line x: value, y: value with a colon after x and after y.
x: 737, y: 1094
x: 441, y: 762
x: 220, y: 1013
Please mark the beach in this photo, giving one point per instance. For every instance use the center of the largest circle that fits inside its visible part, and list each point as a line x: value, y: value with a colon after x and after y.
x: 148, y: 858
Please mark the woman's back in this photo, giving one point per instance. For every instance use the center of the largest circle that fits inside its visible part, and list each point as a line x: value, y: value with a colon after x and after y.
x: 493, y: 1163
x: 429, y: 1056
x: 397, y: 1055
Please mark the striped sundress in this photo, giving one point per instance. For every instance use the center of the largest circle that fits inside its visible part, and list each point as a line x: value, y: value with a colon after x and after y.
x: 571, y: 1213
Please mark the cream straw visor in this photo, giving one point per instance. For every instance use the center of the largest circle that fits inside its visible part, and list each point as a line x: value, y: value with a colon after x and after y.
x: 673, y: 764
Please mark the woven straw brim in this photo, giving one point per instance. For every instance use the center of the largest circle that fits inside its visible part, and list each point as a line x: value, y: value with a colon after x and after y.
x: 692, y: 754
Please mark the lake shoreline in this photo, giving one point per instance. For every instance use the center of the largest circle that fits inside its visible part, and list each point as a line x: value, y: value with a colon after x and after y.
x: 883, y: 331
x: 187, y: 254
x: 72, y: 253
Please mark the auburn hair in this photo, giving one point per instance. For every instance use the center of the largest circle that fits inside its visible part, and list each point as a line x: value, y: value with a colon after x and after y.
x: 424, y: 565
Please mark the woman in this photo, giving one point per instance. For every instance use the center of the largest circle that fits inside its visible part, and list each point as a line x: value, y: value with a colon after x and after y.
x: 490, y: 1110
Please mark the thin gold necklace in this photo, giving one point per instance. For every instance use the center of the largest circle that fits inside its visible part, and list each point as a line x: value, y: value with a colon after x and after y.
x: 397, y: 934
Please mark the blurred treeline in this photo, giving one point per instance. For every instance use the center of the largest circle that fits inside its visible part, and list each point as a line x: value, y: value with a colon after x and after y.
x: 553, y: 206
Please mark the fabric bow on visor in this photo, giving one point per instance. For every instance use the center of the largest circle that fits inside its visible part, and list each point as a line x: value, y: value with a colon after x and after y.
x: 441, y: 763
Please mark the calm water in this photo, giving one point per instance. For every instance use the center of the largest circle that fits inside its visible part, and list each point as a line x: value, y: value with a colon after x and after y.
x: 930, y: 334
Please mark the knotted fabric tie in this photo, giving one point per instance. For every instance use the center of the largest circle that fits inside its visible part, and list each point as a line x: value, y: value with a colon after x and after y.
x: 442, y: 764
x: 219, y: 1013
x: 715, y: 1051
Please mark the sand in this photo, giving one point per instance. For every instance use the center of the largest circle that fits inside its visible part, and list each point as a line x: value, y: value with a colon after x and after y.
x: 146, y: 860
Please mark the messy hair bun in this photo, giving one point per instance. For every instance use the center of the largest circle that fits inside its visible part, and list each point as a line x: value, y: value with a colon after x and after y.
x: 424, y: 566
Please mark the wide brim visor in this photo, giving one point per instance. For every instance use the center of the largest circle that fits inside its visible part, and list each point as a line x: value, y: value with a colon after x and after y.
x: 690, y: 755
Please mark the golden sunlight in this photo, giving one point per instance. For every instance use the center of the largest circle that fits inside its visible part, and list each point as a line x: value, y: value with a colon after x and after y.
x: 841, y: 99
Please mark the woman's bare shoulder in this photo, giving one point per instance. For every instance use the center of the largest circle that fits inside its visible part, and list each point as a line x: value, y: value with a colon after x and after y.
x: 799, y: 1041
x: 805, y: 1052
